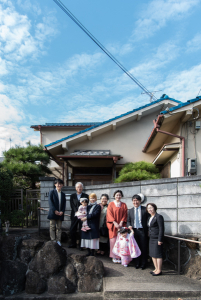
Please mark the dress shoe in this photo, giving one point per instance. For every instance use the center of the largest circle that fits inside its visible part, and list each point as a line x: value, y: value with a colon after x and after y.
x: 151, y: 272
x: 72, y: 246
x: 137, y: 266
x: 154, y: 274
x: 142, y: 267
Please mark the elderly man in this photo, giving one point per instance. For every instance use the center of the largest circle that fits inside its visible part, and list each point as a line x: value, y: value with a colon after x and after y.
x: 75, y: 203
x: 137, y: 220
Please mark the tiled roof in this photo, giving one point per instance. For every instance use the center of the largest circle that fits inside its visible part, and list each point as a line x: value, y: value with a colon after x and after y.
x: 182, y: 104
x: 113, y: 119
x: 67, y: 124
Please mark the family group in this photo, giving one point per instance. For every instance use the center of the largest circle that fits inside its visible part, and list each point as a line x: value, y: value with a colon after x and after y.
x: 102, y: 227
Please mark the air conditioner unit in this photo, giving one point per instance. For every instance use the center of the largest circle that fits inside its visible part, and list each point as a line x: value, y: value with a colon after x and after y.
x: 192, y: 166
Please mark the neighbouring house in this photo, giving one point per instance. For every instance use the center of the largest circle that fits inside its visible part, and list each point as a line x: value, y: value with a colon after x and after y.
x: 176, y: 138
x: 94, y: 153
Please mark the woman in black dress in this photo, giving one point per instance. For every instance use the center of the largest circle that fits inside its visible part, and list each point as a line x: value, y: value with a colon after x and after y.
x: 156, y: 235
x: 90, y: 238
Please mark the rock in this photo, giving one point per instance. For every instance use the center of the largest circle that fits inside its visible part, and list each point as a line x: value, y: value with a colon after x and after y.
x: 58, y: 284
x: 29, y: 249
x: 193, y: 268
x: 12, y: 277
x: 7, y: 246
x: 71, y: 275
x: 88, y: 272
x: 192, y: 245
x: 49, y: 260
x: 34, y: 284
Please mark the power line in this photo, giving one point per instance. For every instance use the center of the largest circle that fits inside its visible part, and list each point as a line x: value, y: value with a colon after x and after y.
x: 67, y: 11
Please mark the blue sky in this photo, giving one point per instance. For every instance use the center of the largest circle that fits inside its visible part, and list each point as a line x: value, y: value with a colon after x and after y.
x: 50, y: 71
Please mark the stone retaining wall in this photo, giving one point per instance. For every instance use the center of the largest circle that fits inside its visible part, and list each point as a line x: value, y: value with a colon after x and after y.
x: 177, y: 199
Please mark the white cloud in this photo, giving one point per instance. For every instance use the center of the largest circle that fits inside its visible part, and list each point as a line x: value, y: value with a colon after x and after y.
x: 8, y: 112
x: 183, y: 85
x: 19, y: 135
x: 194, y: 44
x: 20, y: 38
x: 158, y: 13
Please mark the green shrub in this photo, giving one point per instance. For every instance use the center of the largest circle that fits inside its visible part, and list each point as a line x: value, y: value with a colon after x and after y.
x: 138, y: 171
x: 16, y: 217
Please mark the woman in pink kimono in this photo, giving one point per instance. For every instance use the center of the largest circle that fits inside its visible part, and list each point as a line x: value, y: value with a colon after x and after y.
x: 126, y: 246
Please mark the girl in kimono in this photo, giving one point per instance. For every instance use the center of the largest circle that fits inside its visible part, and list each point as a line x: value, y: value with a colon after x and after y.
x: 82, y: 212
x: 126, y: 246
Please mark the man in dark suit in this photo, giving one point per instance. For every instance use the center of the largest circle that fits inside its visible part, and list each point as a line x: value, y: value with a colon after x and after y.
x: 57, y: 206
x: 75, y: 203
x: 137, y: 220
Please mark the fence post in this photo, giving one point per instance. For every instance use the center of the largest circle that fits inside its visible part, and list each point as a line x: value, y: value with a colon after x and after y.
x: 179, y: 257
x: 38, y: 221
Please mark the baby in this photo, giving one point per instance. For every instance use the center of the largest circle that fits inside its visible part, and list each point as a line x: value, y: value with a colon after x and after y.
x: 82, y: 212
x: 126, y: 246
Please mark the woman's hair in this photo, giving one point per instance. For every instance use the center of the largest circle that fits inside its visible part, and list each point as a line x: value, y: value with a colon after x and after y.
x: 137, y: 197
x: 105, y: 195
x: 124, y: 230
x: 152, y: 204
x: 118, y: 191
x: 92, y: 195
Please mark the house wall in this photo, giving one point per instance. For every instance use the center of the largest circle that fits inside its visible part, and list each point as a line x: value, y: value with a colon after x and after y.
x: 50, y: 135
x: 177, y: 199
x: 127, y: 140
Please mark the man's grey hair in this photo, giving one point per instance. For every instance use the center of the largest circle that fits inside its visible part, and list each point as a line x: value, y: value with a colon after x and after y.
x: 79, y: 183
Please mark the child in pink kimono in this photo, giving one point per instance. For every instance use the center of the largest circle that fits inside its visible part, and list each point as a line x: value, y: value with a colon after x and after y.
x: 82, y: 212
x: 126, y: 246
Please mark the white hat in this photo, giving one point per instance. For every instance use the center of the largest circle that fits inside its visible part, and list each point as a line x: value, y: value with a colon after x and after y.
x: 83, y: 199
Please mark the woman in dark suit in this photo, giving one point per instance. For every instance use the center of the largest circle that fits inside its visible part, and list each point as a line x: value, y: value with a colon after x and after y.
x: 156, y: 235
x: 90, y: 238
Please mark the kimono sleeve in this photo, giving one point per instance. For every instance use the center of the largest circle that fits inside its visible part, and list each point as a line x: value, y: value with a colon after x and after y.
x: 110, y: 217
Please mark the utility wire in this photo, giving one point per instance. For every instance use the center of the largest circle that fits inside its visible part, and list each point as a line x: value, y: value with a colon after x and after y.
x: 67, y: 11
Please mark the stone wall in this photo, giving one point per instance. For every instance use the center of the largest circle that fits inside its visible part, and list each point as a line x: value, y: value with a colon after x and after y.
x: 177, y: 199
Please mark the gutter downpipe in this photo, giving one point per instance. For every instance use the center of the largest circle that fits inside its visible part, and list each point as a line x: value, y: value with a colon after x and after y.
x: 182, y: 144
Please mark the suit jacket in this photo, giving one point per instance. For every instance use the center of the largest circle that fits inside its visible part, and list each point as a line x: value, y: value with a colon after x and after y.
x: 156, y: 229
x: 144, y: 217
x: 74, y: 203
x: 53, y: 200
x: 93, y: 220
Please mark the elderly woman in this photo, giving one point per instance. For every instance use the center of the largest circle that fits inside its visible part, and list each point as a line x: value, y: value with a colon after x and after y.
x: 90, y: 238
x: 156, y: 235
x: 116, y: 218
x: 103, y: 228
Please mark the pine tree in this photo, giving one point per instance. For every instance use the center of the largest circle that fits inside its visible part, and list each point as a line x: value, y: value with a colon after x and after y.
x: 140, y: 170
x: 27, y: 164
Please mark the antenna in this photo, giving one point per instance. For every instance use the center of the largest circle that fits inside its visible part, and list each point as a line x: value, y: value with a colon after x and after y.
x: 198, y: 92
x: 151, y: 94
x: 10, y: 141
x: 68, y: 12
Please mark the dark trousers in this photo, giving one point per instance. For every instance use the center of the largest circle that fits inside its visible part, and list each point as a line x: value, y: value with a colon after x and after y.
x: 141, y: 238
x: 73, y: 230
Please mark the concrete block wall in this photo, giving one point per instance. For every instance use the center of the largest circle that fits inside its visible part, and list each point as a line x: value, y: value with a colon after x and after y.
x: 177, y: 199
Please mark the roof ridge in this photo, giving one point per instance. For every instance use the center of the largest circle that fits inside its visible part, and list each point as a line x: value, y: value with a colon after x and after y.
x: 112, y: 119
x: 182, y: 104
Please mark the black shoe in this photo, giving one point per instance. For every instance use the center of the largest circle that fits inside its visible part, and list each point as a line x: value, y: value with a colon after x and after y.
x: 89, y: 252
x: 72, y: 246
x: 137, y: 266
x: 157, y: 274
x: 81, y: 249
x: 142, y: 267
x: 151, y: 272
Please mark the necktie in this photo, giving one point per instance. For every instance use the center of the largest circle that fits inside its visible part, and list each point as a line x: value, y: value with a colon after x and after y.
x: 137, y: 219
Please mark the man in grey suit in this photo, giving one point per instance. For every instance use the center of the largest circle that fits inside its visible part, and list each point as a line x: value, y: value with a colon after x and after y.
x: 137, y: 220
